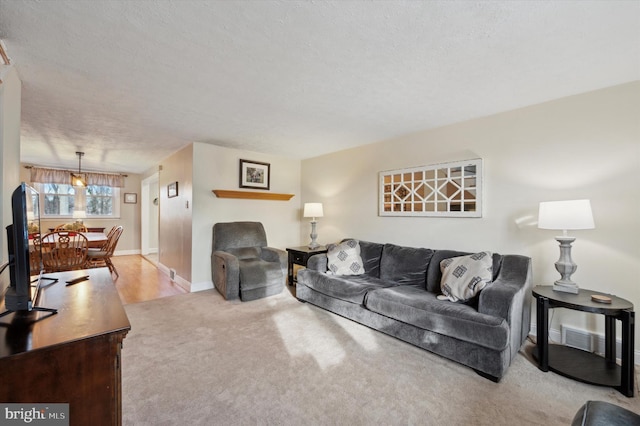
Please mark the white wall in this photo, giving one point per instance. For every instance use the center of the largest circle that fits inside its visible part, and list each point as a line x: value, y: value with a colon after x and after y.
x: 585, y: 146
x: 218, y: 168
x: 10, y: 101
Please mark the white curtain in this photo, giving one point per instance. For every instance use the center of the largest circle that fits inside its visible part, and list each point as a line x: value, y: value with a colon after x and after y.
x: 50, y: 175
x: 42, y: 175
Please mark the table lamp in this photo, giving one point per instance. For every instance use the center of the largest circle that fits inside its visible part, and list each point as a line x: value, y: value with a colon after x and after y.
x: 78, y: 215
x: 313, y: 210
x: 565, y: 215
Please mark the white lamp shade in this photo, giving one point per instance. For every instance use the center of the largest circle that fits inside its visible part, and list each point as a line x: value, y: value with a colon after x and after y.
x: 79, y: 214
x: 313, y: 210
x: 565, y: 215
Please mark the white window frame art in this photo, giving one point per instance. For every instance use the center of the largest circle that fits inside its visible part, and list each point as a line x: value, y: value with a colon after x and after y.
x: 451, y: 189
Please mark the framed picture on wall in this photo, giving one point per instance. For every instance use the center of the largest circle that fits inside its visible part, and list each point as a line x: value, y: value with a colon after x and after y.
x: 172, y: 190
x: 254, y: 174
x: 130, y: 198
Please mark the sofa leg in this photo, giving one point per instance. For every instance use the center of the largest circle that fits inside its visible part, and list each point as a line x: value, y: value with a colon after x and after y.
x: 488, y: 376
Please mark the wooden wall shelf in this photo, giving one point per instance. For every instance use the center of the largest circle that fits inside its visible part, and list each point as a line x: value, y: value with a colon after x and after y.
x: 223, y: 193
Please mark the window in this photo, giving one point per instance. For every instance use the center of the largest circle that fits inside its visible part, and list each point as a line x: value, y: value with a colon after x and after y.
x: 100, y: 200
x: 60, y: 200
x: 57, y: 199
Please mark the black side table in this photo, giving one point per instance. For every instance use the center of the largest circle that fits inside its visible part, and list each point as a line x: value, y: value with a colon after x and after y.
x: 300, y: 256
x: 578, y: 364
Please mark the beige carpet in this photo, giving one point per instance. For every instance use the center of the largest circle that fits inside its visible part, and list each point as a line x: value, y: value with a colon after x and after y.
x: 197, y: 359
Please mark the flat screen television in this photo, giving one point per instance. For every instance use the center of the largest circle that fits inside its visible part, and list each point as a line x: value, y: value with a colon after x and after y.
x: 23, y: 290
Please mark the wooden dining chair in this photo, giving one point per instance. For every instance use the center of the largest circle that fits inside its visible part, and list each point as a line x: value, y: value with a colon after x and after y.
x: 64, y: 251
x: 35, y: 260
x: 102, y: 257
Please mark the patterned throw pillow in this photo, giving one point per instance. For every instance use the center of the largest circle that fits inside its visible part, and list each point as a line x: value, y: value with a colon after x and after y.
x: 463, y: 277
x: 344, y: 258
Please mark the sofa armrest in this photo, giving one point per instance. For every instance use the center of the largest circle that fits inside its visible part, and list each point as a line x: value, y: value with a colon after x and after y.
x: 318, y: 262
x: 272, y: 254
x: 509, y: 297
x: 225, y: 271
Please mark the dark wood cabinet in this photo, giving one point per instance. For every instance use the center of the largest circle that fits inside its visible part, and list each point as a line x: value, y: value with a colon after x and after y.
x: 70, y: 357
x: 300, y: 256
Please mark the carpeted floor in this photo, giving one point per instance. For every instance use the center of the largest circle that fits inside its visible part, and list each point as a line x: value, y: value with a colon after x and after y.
x: 197, y: 359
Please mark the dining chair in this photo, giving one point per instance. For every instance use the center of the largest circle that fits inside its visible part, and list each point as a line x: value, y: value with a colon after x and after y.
x: 35, y: 259
x: 102, y: 256
x: 64, y: 251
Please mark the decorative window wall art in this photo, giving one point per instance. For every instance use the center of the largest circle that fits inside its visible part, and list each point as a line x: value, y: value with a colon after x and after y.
x: 447, y: 190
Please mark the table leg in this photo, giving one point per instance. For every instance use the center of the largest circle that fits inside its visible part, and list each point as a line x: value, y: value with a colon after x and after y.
x: 627, y: 373
x: 290, y: 269
x: 542, y: 329
x: 610, y: 338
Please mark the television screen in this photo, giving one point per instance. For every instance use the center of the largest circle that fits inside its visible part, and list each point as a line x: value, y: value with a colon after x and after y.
x: 25, y: 257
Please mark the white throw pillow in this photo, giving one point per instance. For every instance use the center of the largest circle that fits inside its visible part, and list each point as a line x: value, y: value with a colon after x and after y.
x: 344, y: 258
x: 463, y: 277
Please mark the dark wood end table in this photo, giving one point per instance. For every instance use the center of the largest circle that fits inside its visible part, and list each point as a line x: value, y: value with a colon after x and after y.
x: 300, y: 256
x: 578, y: 364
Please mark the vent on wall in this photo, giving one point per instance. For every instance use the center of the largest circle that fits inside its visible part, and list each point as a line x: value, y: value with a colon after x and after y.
x: 172, y: 274
x: 587, y: 341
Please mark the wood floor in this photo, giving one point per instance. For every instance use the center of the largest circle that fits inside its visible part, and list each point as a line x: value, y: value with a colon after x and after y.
x: 140, y: 280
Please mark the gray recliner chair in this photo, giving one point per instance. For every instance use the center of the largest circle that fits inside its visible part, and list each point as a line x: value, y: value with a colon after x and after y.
x: 241, y: 263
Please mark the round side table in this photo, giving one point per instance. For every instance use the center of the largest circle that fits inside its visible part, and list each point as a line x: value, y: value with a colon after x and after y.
x: 580, y: 365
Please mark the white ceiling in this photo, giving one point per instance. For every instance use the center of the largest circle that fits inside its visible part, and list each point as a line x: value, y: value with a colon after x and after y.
x: 130, y: 82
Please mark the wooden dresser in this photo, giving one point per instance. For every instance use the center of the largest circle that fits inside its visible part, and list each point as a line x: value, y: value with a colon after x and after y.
x: 71, y: 357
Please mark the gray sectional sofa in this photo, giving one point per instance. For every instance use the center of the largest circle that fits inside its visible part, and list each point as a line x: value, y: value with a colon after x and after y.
x: 397, y: 291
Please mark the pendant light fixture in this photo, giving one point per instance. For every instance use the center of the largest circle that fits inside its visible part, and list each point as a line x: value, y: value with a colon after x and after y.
x: 79, y: 178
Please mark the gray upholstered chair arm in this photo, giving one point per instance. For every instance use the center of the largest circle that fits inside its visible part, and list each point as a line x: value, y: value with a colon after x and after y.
x: 509, y: 297
x: 318, y: 262
x: 272, y: 254
x: 497, y: 299
x: 226, y: 277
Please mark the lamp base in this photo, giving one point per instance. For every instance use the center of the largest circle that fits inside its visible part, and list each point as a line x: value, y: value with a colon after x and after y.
x: 313, y: 244
x: 566, y: 288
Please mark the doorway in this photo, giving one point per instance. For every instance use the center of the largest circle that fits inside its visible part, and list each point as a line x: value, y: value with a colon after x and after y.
x: 150, y: 214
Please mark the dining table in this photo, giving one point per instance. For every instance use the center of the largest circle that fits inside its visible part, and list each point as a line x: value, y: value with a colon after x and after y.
x: 95, y: 239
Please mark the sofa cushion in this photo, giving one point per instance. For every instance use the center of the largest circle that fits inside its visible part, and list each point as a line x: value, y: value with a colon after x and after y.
x: 415, y: 306
x: 255, y: 273
x: 371, y: 254
x: 245, y: 252
x: 463, y: 277
x: 350, y: 288
x: 405, y: 265
x: 344, y: 258
x: 434, y: 274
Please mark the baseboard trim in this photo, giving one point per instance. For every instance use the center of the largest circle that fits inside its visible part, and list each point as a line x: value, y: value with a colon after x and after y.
x: 176, y: 278
x: 125, y: 252
x: 201, y: 286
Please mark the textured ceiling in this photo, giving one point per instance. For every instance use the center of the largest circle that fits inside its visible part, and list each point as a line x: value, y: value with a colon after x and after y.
x: 130, y: 82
